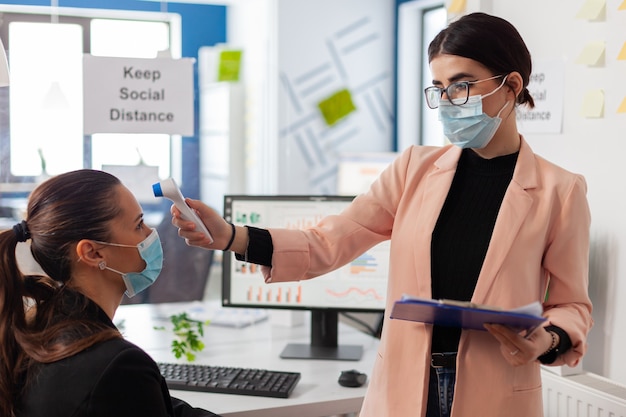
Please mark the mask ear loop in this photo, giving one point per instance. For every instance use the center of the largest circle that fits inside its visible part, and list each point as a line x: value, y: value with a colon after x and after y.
x: 494, y: 91
x: 502, y: 109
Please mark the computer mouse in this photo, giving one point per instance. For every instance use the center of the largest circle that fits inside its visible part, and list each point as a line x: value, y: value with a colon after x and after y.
x: 352, y: 378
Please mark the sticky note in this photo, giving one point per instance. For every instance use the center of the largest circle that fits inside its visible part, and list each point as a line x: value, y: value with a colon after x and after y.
x: 592, y: 54
x: 457, y: 6
x: 592, y: 10
x: 622, y: 53
x: 622, y: 107
x: 622, y: 6
x: 593, y: 104
x: 229, y: 65
x: 337, y: 106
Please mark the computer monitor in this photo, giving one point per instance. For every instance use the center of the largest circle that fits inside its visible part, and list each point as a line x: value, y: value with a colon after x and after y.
x: 359, y: 286
x: 358, y: 170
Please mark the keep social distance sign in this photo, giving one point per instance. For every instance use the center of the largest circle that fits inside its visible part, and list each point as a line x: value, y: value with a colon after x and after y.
x: 136, y: 95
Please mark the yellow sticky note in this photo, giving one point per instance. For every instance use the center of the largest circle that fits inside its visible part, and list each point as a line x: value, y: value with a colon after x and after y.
x: 457, y: 6
x: 229, y: 65
x: 622, y: 107
x: 592, y: 54
x: 622, y: 53
x: 593, y: 104
x: 592, y: 10
x: 337, y: 106
x: 622, y: 6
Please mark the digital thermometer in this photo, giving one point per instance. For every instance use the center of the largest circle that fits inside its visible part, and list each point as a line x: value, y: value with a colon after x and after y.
x: 168, y: 189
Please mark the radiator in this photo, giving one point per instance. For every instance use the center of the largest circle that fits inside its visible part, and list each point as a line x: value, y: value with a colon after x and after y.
x: 582, y: 395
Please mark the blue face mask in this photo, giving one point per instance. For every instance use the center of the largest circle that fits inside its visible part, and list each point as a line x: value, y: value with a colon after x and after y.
x: 151, y: 252
x: 466, y: 126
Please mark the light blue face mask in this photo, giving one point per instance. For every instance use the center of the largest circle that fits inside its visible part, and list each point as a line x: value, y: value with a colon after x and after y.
x: 151, y: 252
x: 466, y: 126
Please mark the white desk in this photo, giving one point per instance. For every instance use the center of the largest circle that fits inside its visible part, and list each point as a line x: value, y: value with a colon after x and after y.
x: 317, y: 394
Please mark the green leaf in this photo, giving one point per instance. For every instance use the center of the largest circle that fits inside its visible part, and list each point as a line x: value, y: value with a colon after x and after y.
x: 188, y: 333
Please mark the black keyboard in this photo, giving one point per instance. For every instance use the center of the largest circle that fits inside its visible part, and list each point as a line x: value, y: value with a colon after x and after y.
x: 242, y: 381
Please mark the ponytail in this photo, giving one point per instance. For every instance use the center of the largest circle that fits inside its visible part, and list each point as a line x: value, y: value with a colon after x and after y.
x: 42, y: 318
x: 12, y: 319
x: 526, y: 98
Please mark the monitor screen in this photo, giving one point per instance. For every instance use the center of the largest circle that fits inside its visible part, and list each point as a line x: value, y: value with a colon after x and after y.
x: 359, y: 286
x: 357, y: 171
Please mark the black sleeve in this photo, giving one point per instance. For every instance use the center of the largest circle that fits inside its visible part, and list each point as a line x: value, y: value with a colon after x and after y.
x: 132, y: 385
x: 564, y: 344
x: 182, y: 409
x: 260, y: 247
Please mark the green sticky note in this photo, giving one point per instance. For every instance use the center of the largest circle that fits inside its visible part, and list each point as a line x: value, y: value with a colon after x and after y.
x: 229, y: 65
x: 337, y: 106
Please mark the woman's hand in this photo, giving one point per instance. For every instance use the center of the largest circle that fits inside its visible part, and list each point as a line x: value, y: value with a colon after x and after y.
x: 220, y: 229
x: 519, y: 349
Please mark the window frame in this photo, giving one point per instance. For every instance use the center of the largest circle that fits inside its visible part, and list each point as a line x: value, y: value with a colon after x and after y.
x: 412, y: 67
x: 10, y: 183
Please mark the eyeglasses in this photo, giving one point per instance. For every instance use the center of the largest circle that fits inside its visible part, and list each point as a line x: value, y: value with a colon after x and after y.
x: 458, y: 93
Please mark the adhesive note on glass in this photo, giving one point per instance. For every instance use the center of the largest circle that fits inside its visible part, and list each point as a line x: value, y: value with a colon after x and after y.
x: 337, y: 106
x: 592, y: 10
x: 592, y: 54
x: 457, y: 6
x: 593, y: 104
x: 622, y: 107
x: 622, y: 53
x: 229, y: 65
x: 622, y: 6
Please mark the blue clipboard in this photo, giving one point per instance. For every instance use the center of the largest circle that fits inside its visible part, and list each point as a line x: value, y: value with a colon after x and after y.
x: 466, y: 315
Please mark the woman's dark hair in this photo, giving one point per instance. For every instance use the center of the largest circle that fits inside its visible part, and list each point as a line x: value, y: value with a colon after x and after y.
x: 490, y: 40
x: 41, y: 318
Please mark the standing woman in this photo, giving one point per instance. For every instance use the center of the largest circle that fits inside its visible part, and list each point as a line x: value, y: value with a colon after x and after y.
x: 60, y: 354
x: 483, y: 220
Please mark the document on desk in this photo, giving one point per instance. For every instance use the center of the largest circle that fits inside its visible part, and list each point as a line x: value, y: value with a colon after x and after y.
x: 214, y: 313
x: 467, y: 315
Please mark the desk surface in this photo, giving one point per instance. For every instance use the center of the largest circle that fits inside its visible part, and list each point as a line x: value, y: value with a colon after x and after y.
x: 257, y: 346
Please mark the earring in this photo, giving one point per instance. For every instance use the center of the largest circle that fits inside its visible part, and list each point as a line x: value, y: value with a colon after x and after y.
x: 102, y: 265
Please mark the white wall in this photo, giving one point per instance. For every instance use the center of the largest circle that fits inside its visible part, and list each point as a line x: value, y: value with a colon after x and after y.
x: 325, y: 46
x: 593, y: 147
x: 298, y: 53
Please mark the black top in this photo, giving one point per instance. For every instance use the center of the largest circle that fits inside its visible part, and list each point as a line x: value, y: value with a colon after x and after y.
x: 112, y: 378
x: 463, y: 231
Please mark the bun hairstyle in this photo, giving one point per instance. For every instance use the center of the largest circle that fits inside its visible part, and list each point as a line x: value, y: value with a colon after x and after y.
x: 490, y: 40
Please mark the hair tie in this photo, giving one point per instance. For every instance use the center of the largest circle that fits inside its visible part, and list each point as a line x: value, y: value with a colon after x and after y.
x: 21, y: 231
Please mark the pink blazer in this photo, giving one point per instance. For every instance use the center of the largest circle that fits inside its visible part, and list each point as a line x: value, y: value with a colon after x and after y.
x: 541, y: 236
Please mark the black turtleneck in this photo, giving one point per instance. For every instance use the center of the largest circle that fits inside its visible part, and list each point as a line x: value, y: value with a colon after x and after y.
x: 463, y: 231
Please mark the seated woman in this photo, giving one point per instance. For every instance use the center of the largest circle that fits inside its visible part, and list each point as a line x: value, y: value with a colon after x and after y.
x: 60, y: 353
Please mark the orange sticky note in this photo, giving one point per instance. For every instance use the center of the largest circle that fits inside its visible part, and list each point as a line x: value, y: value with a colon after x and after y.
x: 622, y: 107
x: 622, y: 54
x: 457, y: 6
x: 622, y: 6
